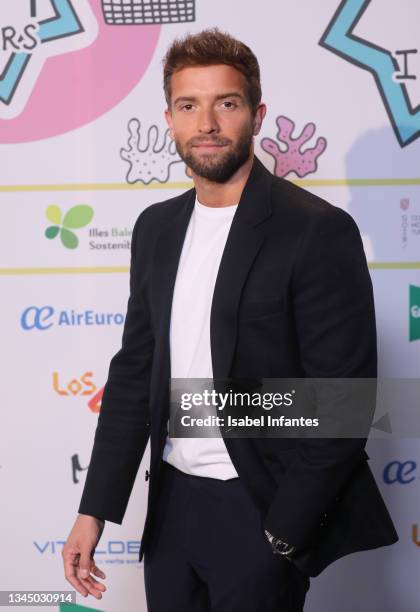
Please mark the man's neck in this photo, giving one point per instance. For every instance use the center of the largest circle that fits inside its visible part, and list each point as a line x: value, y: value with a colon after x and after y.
x: 218, y: 195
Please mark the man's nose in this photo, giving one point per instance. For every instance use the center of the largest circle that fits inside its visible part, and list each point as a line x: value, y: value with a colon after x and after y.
x: 207, y: 122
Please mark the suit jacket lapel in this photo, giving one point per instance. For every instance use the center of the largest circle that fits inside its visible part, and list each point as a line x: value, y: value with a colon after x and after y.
x: 245, y: 239
x: 167, y: 252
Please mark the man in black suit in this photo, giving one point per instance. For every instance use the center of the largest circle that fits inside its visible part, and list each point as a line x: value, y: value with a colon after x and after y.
x: 245, y: 276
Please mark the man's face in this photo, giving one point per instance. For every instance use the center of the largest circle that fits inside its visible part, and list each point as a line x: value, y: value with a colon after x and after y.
x: 211, y: 121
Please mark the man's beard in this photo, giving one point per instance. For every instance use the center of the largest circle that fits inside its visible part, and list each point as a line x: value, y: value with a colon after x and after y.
x: 217, y: 167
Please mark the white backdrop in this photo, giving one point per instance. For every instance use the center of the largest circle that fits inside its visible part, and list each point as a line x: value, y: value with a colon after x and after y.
x: 78, y: 96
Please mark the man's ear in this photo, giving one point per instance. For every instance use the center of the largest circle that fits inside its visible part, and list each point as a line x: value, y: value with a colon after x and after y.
x: 168, y: 119
x: 259, y: 117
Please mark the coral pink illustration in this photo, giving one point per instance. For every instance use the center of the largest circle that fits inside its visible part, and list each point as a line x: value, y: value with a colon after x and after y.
x: 293, y: 159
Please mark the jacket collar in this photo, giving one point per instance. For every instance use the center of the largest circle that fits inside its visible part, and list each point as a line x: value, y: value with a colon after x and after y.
x: 254, y: 203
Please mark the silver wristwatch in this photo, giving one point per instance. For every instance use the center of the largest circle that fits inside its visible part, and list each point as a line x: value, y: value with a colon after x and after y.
x: 279, y: 546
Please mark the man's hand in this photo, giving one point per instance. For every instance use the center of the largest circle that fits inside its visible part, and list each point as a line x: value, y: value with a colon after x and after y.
x: 78, y: 556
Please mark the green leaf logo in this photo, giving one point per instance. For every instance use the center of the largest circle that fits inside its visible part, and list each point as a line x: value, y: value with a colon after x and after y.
x: 75, y: 218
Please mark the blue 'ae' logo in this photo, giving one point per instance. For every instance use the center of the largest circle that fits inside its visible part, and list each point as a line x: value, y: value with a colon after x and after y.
x: 37, y: 318
x: 44, y: 317
x: 339, y: 37
x: 403, y: 472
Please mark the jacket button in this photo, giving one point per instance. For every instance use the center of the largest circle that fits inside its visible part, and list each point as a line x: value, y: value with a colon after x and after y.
x: 147, y: 475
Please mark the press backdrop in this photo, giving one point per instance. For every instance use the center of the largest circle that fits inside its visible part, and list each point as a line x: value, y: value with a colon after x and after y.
x: 84, y: 149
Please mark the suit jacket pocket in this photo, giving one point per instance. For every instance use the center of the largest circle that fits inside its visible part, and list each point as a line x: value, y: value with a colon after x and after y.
x: 260, y: 308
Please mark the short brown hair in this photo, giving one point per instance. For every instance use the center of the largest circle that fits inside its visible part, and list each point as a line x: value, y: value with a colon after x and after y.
x: 210, y: 47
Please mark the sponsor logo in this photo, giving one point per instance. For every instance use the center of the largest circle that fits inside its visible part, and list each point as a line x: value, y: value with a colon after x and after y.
x: 410, y: 224
x: 117, y: 552
x: 37, y: 318
x: 45, y: 317
x: 415, y: 534
x: 76, y: 468
x: 64, y: 226
x: 76, y: 386
x: 111, y: 238
x: 95, y: 402
x: 70, y: 607
x: 414, y: 313
x: 81, y: 386
x: 391, y: 68
x: 402, y: 472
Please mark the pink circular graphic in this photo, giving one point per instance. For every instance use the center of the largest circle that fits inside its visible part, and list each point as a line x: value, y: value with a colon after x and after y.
x: 77, y: 87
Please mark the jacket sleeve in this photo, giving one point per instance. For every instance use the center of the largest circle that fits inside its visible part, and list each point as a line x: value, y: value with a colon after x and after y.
x: 123, y: 424
x: 336, y: 329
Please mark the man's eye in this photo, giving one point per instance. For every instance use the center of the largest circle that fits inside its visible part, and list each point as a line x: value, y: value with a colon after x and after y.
x: 232, y: 104
x: 186, y: 107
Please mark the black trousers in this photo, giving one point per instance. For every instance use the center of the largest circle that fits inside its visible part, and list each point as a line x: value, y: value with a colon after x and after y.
x: 208, y: 552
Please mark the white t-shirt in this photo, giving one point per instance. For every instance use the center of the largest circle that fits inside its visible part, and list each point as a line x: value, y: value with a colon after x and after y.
x: 190, y: 349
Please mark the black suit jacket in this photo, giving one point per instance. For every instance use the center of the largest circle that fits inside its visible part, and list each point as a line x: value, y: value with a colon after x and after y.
x: 293, y: 298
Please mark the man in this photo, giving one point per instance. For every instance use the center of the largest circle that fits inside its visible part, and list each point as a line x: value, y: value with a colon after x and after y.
x: 243, y: 276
